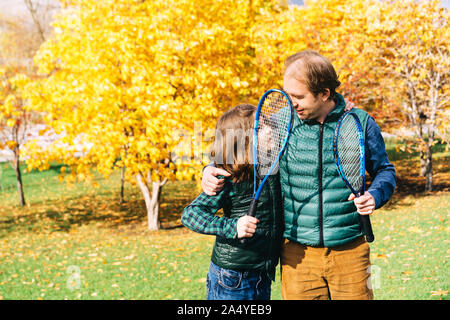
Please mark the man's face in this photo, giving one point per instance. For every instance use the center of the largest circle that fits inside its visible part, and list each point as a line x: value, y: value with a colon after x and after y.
x: 304, y: 102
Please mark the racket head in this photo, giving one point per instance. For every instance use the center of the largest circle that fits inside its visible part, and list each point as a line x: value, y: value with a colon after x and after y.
x: 273, y: 123
x: 349, y: 152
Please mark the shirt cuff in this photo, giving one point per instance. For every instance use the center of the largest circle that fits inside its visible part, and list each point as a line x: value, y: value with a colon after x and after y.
x: 230, y: 229
x: 377, y: 197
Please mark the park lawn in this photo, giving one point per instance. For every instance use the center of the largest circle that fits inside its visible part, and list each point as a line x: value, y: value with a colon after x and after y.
x: 78, y: 242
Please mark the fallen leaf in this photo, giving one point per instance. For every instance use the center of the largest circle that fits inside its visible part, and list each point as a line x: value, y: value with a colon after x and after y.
x: 415, y: 229
x: 439, y: 293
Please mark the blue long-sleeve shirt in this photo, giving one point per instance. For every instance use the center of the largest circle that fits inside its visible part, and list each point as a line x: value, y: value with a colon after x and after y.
x: 378, y: 165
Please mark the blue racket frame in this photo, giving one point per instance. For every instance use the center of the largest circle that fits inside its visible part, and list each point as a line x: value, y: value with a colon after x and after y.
x: 365, y: 223
x: 362, y: 156
x: 257, y: 192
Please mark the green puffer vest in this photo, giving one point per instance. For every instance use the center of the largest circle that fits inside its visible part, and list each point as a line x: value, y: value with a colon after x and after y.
x: 316, y: 210
x: 261, y: 252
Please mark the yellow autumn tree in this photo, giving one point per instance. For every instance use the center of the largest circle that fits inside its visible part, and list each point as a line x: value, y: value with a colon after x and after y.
x: 392, y: 58
x: 277, y: 33
x: 18, y: 43
x: 14, y: 119
x: 282, y: 30
x: 336, y: 29
x: 409, y: 46
x: 126, y: 80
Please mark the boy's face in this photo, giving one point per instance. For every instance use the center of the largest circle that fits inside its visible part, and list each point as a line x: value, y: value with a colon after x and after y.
x: 265, y: 137
x: 266, y: 153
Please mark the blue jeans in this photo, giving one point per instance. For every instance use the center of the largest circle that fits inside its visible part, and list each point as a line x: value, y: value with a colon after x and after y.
x: 225, y: 284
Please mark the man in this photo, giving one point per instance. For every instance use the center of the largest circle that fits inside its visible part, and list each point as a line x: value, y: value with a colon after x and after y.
x: 325, y: 255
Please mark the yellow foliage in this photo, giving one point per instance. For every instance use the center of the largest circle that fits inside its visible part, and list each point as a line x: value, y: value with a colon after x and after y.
x: 130, y: 78
x: 128, y: 75
x: 11, y: 144
x: 11, y: 122
x: 12, y: 108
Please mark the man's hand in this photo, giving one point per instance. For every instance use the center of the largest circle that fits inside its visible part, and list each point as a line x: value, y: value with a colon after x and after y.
x: 365, y: 204
x: 210, y: 184
x: 246, y: 226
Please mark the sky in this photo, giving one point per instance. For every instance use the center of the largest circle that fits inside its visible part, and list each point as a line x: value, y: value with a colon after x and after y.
x: 13, y: 7
x: 8, y: 7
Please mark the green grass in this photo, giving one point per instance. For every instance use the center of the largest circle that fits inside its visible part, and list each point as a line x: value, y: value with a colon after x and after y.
x: 43, y: 186
x: 77, y: 242
x: 86, y: 264
x: 412, y: 248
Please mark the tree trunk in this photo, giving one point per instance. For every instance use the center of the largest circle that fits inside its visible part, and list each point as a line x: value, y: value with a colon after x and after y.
x: 122, y: 185
x: 1, y: 178
x: 423, y: 163
x: 426, y: 161
x: 428, y: 170
x: 16, y: 166
x: 151, y: 199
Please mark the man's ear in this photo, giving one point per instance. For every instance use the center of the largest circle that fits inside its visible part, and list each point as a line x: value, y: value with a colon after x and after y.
x: 325, y: 94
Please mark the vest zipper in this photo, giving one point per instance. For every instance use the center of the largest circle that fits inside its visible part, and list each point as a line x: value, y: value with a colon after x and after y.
x: 320, y: 188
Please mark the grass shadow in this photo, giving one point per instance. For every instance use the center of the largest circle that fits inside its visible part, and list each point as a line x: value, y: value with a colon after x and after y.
x: 102, y: 208
x: 410, y: 183
x: 52, y: 206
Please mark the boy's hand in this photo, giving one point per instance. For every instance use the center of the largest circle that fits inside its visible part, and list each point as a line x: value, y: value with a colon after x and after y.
x: 349, y: 105
x: 210, y: 184
x: 365, y: 204
x: 246, y: 226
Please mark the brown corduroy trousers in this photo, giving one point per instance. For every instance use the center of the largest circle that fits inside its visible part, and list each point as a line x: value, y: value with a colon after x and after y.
x: 338, y: 273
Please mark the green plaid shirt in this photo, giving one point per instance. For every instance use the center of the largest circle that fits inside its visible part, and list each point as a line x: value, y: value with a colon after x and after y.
x: 200, y: 216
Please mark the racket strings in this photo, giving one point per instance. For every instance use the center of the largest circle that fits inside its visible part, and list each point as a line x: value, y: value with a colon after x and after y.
x: 274, y: 120
x: 350, y: 152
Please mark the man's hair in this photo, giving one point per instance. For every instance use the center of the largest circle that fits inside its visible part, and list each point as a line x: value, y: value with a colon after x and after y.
x: 233, y: 140
x: 315, y: 70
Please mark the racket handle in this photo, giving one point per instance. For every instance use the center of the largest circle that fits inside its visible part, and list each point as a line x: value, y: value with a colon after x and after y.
x: 366, y: 227
x: 251, y: 213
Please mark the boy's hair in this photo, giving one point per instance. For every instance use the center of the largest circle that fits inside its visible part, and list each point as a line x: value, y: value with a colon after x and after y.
x: 232, y: 147
x: 316, y: 71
